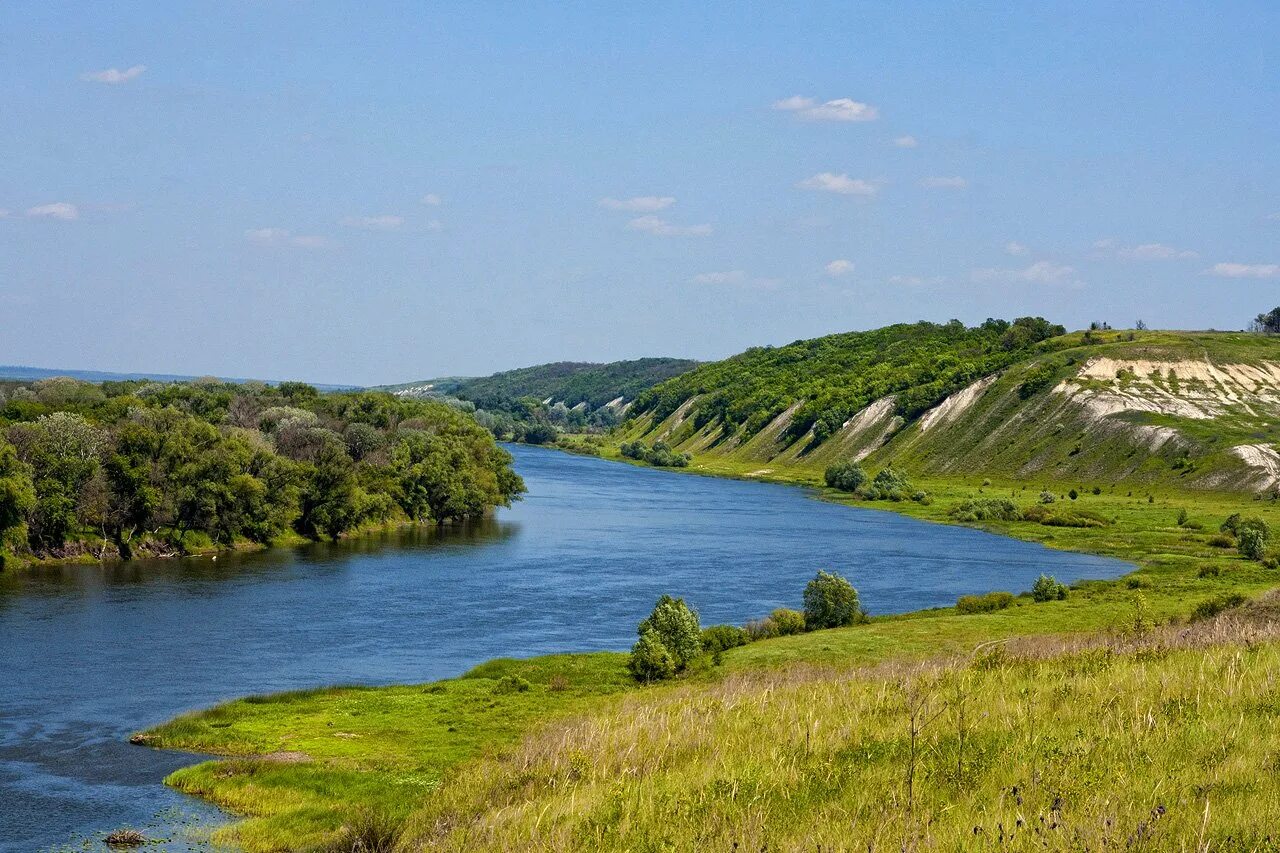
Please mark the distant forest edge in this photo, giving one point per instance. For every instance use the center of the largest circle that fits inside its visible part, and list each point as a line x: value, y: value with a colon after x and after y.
x: 137, y: 467
x: 26, y: 373
x: 537, y: 404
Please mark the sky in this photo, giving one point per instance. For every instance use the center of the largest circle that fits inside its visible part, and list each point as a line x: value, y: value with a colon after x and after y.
x: 385, y: 191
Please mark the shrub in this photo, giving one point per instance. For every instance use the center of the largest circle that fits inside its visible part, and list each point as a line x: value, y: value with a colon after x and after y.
x: 721, y: 638
x: 676, y: 627
x: 1252, y: 543
x: 986, y: 509
x: 511, y: 684
x: 650, y: 660
x: 760, y: 629
x: 988, y: 603
x: 1046, y: 497
x: 846, y: 476
x: 1222, y: 540
x: 1041, y: 514
x: 787, y: 621
x: 1231, y: 525
x: 1073, y: 494
x: 1209, y: 571
x: 1183, y: 517
x: 125, y: 838
x: 1047, y: 588
x: 830, y: 601
x: 890, y: 484
x: 660, y: 455
x: 1211, y: 607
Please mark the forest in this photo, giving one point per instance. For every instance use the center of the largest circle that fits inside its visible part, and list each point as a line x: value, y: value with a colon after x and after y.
x: 837, y: 375
x: 147, y: 467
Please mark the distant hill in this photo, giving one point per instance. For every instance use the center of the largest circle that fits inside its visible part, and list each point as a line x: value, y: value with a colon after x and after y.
x: 23, y: 373
x: 572, y: 383
x: 1200, y: 409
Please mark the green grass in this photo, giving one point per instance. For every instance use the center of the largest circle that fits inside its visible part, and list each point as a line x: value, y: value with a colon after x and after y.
x: 305, y: 765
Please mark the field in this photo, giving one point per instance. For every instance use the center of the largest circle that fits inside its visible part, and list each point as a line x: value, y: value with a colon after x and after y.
x: 567, y: 753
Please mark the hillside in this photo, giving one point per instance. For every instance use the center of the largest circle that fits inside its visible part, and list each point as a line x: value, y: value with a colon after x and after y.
x: 1190, y: 409
x: 572, y: 383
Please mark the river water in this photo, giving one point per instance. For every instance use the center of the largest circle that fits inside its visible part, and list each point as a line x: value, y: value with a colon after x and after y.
x: 89, y: 654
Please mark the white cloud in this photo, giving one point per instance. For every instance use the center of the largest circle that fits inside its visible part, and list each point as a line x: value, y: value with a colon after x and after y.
x: 113, y: 76
x: 1235, y: 270
x: 383, y: 222
x: 907, y: 141
x: 1156, y: 252
x: 55, y: 210
x: 1013, y: 247
x: 841, y: 184
x: 432, y: 200
x: 4, y: 213
x: 663, y: 228
x: 727, y: 277
x: 284, y: 237
x: 840, y: 109
x: 639, y: 204
x: 434, y: 225
x: 839, y: 267
x: 945, y: 183
x: 1041, y: 272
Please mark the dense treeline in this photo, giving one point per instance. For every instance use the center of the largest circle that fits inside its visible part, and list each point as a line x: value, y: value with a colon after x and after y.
x: 837, y: 375
x: 111, y: 468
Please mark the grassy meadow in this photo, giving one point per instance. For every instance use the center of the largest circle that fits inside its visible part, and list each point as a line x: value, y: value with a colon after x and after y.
x: 1110, y: 703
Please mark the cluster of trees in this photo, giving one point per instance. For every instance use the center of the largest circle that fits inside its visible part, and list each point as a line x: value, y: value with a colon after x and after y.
x: 836, y: 376
x: 112, y: 466
x: 1268, y: 323
x: 671, y: 638
x: 1252, y: 535
x: 889, y: 484
x: 660, y: 454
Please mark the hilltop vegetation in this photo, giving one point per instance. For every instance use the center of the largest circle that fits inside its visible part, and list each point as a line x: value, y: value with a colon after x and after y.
x: 1195, y: 409
x: 107, y: 470
x: 535, y: 404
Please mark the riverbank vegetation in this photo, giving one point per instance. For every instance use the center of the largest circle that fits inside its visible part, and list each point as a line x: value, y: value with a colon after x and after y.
x: 126, y: 468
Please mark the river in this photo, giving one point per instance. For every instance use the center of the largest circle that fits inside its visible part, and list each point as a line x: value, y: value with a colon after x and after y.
x: 89, y: 654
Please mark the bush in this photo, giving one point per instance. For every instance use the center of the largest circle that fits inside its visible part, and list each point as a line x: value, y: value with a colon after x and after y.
x: 676, y: 627
x: 1212, y: 607
x: 1209, y: 571
x: 846, y: 476
x: 890, y: 484
x: 1222, y: 540
x: 1041, y: 514
x: 760, y: 629
x: 988, y: 603
x: 650, y: 660
x: 1252, y: 543
x: 1047, y: 588
x: 986, y: 509
x: 511, y: 684
x: 830, y: 601
x: 721, y: 638
x: 1047, y: 497
x: 660, y: 455
x: 787, y: 621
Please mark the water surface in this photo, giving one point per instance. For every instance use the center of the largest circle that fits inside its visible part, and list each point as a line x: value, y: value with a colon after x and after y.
x: 89, y: 654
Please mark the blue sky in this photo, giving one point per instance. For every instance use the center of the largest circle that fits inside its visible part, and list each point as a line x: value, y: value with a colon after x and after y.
x: 384, y: 191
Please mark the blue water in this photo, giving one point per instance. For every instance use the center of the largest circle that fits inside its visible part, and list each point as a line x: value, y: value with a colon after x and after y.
x: 89, y: 654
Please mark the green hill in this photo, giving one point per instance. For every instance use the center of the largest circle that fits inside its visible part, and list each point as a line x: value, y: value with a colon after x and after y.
x: 572, y: 383
x: 1193, y: 409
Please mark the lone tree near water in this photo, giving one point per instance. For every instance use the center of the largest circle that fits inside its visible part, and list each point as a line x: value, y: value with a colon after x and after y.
x: 830, y: 601
x: 670, y: 637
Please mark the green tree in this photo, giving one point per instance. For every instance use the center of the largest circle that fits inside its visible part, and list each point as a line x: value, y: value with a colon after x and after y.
x: 847, y: 476
x: 676, y: 626
x: 17, y: 494
x: 830, y: 601
x: 1047, y: 588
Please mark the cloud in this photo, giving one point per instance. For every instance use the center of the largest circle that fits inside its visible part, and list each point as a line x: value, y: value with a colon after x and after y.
x: 1013, y: 247
x: 1143, y: 252
x: 1041, y: 272
x: 639, y: 204
x: 1156, y: 252
x: 1274, y: 217
x: 840, y: 109
x: 113, y: 76
x: 727, y: 277
x: 1235, y: 270
x: 944, y: 183
x: 839, y: 267
x: 432, y: 200
x: 284, y: 237
x: 434, y: 225
x: 4, y: 213
x: 841, y: 184
x: 55, y: 210
x: 662, y: 228
x: 907, y: 141
x: 383, y: 222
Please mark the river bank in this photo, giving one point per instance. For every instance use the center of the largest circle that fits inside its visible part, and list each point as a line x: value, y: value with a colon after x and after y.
x: 1176, y: 569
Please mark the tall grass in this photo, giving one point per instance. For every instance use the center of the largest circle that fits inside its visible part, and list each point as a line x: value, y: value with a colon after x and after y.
x: 1165, y: 741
